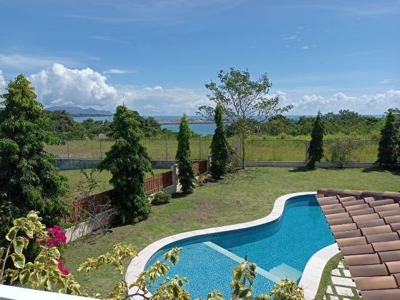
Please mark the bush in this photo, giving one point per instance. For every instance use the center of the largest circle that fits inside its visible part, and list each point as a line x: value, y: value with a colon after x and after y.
x: 161, y: 198
x: 342, y: 149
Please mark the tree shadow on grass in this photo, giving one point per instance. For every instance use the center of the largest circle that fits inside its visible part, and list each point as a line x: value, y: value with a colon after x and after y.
x: 179, y: 195
x: 381, y: 170
x: 300, y: 170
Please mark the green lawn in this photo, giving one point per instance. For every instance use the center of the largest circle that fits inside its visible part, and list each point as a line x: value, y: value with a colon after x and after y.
x: 78, y: 183
x: 213, y: 205
x: 262, y: 148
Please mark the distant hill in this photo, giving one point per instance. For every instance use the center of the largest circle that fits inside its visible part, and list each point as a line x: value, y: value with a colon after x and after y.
x: 77, y: 111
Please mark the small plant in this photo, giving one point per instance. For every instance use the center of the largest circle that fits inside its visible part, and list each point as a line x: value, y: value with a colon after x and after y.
x: 203, y: 179
x: 342, y: 149
x: 161, y: 198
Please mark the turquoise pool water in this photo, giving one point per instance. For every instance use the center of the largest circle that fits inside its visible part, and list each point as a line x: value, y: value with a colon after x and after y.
x: 280, y: 249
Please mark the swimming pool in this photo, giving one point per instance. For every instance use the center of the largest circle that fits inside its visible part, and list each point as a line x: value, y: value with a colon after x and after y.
x: 280, y: 248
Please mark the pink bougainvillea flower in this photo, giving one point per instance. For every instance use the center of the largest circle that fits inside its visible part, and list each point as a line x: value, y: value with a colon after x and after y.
x: 38, y: 240
x: 57, y: 237
x: 61, y: 268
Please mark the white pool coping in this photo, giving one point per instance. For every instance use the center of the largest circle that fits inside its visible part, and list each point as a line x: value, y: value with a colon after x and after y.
x: 311, y: 275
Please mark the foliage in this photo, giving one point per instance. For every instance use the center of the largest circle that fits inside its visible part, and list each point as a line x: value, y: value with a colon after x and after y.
x: 243, y: 101
x: 389, y: 144
x: 219, y: 146
x: 316, y: 148
x: 46, y: 271
x: 185, y: 166
x: 161, y: 198
x: 28, y: 178
x: 127, y: 161
x: 342, y: 149
x: 64, y: 125
x: 287, y: 290
x: 88, y: 183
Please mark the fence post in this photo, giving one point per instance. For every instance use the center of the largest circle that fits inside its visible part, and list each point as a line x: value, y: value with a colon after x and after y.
x: 101, y: 153
x: 67, y: 150
x: 208, y: 163
x: 236, y: 146
x: 175, y: 179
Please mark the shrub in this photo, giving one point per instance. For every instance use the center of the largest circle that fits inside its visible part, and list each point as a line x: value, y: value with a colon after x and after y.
x: 161, y: 198
x: 342, y: 149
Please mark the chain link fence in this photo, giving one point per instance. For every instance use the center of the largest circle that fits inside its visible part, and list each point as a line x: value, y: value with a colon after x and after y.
x: 256, y: 150
x: 158, y: 149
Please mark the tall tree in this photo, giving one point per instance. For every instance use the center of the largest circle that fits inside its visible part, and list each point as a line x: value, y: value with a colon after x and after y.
x: 316, y: 148
x: 28, y: 178
x: 243, y: 101
x: 219, y: 145
x: 128, y: 161
x: 388, y: 149
x: 185, y: 166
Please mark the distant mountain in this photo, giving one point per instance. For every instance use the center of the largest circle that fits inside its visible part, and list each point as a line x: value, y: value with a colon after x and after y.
x: 77, y: 111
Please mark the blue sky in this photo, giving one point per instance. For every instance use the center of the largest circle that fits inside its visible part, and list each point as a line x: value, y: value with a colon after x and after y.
x: 156, y: 56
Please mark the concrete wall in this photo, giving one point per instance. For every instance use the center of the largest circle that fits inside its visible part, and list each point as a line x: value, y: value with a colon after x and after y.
x: 77, y: 164
x: 302, y: 164
x: 90, y: 225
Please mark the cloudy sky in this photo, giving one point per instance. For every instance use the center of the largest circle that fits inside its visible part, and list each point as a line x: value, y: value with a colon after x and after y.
x: 155, y: 56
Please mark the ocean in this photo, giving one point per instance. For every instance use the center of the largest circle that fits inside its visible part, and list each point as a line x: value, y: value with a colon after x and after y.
x: 203, y: 129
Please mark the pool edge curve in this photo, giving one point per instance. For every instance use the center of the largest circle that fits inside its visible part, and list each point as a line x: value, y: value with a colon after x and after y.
x: 309, y: 280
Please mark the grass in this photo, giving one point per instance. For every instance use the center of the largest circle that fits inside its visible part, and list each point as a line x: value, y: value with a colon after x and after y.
x: 78, y: 182
x: 213, y: 205
x: 326, y: 279
x: 257, y: 148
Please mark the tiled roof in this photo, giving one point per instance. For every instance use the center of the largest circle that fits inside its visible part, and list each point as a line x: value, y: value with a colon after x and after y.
x: 366, y: 226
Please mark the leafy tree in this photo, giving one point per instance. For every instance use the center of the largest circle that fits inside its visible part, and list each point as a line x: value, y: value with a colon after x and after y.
x: 62, y: 123
x: 389, y: 143
x: 28, y: 178
x: 243, y: 100
x: 219, y: 146
x: 185, y: 166
x: 316, y: 148
x: 128, y: 162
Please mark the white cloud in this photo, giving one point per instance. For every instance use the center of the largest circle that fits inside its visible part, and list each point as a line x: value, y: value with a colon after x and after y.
x: 153, y: 101
x: 59, y: 85
x: 156, y: 88
x: 363, y: 104
x: 305, y: 48
x: 27, y: 62
x: 2, y: 83
x: 386, y: 81
x: 117, y: 71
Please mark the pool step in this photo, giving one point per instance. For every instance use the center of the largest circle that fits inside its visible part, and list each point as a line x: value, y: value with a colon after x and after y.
x: 239, y: 259
x: 285, y: 271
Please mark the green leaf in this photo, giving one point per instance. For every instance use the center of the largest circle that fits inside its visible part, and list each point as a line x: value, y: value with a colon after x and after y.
x: 24, y: 277
x: 12, y: 233
x: 19, y: 244
x: 18, y: 260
